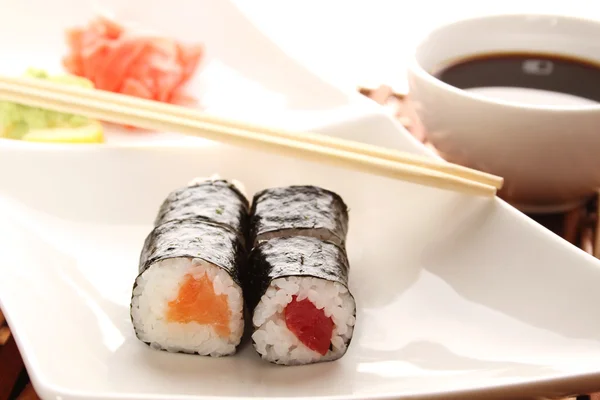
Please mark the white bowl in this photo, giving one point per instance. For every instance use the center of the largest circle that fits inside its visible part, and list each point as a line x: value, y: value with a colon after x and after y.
x: 547, y: 154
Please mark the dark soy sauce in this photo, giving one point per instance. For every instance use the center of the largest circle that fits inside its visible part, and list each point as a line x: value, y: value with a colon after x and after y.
x: 532, y: 78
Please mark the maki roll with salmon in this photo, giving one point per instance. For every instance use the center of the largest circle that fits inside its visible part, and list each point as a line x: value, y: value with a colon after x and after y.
x: 298, y: 211
x: 187, y: 297
x: 217, y: 199
x: 297, y: 292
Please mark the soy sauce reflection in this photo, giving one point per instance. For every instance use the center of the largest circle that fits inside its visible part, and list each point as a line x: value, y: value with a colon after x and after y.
x: 547, y: 79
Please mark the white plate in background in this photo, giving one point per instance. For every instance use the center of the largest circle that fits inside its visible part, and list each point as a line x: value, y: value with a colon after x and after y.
x: 352, y: 43
x: 244, y: 75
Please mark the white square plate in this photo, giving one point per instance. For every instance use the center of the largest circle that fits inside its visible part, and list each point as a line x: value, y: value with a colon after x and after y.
x: 457, y: 297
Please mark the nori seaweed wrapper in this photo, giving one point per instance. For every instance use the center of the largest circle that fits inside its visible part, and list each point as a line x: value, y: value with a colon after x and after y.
x: 293, y: 256
x: 219, y: 201
x: 195, y: 238
x: 298, y: 210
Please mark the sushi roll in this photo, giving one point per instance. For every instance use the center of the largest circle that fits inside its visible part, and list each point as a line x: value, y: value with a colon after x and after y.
x: 188, y: 295
x: 216, y: 199
x: 297, y: 292
x: 298, y: 210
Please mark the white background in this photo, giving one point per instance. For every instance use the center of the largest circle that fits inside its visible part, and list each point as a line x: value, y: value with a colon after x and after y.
x: 367, y: 42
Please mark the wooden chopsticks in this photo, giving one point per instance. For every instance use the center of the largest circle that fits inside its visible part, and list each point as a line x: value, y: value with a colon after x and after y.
x: 127, y: 110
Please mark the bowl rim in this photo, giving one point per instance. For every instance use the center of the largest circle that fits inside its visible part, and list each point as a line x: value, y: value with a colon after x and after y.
x: 416, y: 69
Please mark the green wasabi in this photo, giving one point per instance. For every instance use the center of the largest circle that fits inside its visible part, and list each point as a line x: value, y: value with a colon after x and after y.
x: 17, y: 119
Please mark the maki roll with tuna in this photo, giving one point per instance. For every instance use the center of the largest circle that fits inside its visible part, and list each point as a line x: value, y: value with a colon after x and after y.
x: 188, y: 297
x: 298, y: 211
x: 297, y: 292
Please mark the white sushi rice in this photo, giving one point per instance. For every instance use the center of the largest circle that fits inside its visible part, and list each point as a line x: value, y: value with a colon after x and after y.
x: 159, y: 285
x: 275, y: 343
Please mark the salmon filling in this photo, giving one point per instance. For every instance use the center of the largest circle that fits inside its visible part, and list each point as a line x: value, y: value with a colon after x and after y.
x: 198, y: 302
